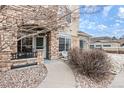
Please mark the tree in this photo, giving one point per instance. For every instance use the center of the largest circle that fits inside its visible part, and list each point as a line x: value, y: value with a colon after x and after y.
x: 114, y: 38
x: 14, y: 18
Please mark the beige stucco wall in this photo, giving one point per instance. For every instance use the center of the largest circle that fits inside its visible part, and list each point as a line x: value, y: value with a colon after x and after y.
x: 72, y: 29
x: 107, y: 43
x: 74, y: 42
x: 114, y: 49
x: 87, y: 41
x: 74, y: 26
x: 114, y: 46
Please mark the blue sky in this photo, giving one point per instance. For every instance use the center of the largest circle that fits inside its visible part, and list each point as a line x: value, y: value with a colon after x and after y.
x: 108, y: 22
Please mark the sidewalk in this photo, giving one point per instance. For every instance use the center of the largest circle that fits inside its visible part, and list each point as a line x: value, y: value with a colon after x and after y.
x: 59, y: 75
x: 118, y: 82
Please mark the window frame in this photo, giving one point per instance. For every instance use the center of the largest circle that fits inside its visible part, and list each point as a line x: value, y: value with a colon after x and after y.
x: 92, y: 46
x: 67, y: 42
x: 106, y: 45
x: 42, y: 42
x: 23, y: 46
x: 98, y: 46
x: 81, y: 43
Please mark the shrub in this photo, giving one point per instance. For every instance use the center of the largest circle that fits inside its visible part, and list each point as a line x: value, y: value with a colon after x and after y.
x: 95, y: 64
x: 74, y: 56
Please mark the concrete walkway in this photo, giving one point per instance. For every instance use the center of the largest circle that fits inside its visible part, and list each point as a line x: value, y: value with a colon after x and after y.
x: 59, y: 75
x: 118, y: 82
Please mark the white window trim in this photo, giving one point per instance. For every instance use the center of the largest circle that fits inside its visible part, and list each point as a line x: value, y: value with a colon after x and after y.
x: 65, y: 42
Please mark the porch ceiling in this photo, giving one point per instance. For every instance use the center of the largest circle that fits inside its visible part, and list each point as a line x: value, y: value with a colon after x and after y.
x: 32, y: 28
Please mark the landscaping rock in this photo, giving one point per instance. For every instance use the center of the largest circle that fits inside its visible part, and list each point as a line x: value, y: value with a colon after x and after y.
x: 26, y: 77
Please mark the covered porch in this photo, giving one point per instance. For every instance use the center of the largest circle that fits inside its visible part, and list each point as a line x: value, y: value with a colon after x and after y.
x: 32, y: 38
x: 33, y: 45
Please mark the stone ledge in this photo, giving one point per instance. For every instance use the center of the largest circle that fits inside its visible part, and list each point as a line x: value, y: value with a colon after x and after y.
x: 27, y: 77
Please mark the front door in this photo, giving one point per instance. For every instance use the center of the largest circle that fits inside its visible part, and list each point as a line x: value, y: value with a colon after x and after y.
x: 41, y: 44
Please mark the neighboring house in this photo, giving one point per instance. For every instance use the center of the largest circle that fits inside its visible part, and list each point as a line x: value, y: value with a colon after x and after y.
x: 106, y: 43
x: 84, y: 40
x: 121, y: 42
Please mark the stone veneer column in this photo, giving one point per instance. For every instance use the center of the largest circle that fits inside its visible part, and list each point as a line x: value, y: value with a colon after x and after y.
x: 53, y: 45
x: 40, y: 56
x: 5, y: 58
x: 13, y: 47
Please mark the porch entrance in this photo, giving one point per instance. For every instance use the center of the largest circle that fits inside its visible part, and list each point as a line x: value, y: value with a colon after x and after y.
x: 39, y: 42
x: 35, y: 41
x: 32, y: 44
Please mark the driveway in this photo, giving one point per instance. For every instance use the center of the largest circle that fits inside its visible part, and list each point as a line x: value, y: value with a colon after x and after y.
x: 59, y: 75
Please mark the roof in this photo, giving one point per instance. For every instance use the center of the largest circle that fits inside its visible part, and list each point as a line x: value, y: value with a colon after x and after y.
x: 121, y: 41
x: 83, y: 34
x: 104, y: 40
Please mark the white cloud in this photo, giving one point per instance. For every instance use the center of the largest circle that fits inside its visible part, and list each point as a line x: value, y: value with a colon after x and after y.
x: 117, y: 24
x: 118, y: 32
x: 86, y: 24
x: 101, y: 27
x: 119, y: 21
x: 121, y: 12
x: 106, y: 10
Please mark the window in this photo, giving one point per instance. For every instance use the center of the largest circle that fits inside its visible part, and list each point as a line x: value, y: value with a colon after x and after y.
x: 91, y: 46
x: 99, y: 46
x: 81, y: 43
x: 61, y: 44
x: 106, y: 45
x: 67, y: 44
x: 39, y: 43
x: 25, y: 45
x: 64, y: 44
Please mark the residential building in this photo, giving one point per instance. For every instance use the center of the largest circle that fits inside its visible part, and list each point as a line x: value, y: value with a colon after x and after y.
x: 29, y: 35
x: 106, y: 43
x: 51, y: 42
x: 121, y: 42
x: 84, y: 40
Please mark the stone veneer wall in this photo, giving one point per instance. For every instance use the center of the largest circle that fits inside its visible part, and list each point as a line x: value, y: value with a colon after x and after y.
x: 53, y: 45
x: 6, y: 63
x: 9, y: 37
